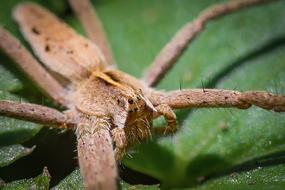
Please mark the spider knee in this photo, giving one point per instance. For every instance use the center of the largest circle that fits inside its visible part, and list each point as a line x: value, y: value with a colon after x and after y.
x: 166, y: 111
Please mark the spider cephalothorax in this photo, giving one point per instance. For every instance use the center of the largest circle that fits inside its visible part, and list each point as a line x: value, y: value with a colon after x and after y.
x: 123, y: 102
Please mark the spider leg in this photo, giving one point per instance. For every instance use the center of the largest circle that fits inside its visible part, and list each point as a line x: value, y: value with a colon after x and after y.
x: 93, y: 26
x: 166, y: 111
x: 24, y: 59
x: 35, y: 113
x: 171, y: 52
x: 200, y: 98
x: 95, y: 154
x: 121, y: 143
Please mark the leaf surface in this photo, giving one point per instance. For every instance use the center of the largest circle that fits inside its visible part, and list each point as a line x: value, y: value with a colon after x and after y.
x: 41, y: 182
x: 9, y: 154
x: 74, y: 181
x: 271, y: 177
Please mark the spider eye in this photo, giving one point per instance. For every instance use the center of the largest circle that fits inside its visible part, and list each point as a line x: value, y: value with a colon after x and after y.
x: 131, y: 101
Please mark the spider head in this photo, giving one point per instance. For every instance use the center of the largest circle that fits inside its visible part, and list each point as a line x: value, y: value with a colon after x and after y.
x: 138, y: 107
x: 130, y: 95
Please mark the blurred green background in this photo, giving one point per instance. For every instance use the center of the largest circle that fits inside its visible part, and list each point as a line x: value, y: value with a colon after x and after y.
x: 214, y: 148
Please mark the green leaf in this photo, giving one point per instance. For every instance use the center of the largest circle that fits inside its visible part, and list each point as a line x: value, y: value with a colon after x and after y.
x: 9, y: 154
x: 261, y: 178
x: 72, y: 181
x: 41, y: 182
x: 16, y: 131
x: 126, y: 186
x: 13, y: 131
x: 8, y: 82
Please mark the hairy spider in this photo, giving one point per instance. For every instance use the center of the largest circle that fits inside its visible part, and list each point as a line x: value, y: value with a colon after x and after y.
x: 104, y: 105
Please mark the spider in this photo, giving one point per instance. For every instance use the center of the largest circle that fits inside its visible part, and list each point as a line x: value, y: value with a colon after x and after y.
x: 109, y: 109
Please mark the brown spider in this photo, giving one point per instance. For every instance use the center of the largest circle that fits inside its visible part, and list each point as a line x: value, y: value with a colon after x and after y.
x: 104, y: 105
